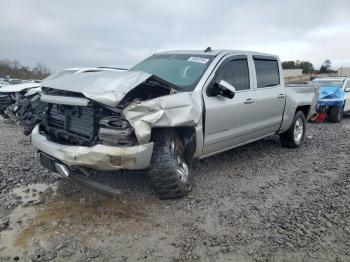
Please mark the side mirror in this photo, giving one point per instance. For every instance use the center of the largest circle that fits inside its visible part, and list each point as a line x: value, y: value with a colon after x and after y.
x: 221, y: 88
x: 347, y: 90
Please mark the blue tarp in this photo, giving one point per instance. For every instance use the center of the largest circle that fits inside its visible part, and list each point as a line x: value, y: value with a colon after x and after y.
x: 331, y: 96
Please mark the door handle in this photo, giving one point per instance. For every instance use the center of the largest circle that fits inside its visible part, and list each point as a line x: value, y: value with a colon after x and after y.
x: 281, y: 96
x: 249, y: 101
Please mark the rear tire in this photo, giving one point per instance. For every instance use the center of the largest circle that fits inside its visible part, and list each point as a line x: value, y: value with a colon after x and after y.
x: 336, y: 114
x: 170, y: 172
x: 295, y: 134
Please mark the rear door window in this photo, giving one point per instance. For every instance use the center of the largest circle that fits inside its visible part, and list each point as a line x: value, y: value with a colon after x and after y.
x: 267, y: 72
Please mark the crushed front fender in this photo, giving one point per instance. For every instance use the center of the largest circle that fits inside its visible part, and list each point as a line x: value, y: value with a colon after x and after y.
x: 175, y: 110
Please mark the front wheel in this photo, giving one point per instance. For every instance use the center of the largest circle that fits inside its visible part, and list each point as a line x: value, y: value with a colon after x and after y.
x: 170, y: 173
x: 336, y: 114
x: 294, y: 136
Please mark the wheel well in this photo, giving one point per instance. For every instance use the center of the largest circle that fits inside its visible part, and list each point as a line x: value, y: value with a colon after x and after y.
x: 188, y: 136
x: 304, y: 109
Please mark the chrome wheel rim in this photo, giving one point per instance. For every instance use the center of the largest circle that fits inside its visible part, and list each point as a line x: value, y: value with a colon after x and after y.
x: 298, y: 130
x: 181, y: 167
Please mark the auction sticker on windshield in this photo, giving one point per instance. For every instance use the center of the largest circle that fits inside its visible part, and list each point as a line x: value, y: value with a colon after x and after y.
x: 197, y: 59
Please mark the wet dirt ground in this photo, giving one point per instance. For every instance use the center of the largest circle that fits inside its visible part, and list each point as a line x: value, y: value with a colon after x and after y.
x: 260, y: 202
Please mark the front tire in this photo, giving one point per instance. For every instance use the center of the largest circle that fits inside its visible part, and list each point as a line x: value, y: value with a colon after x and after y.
x: 295, y: 134
x: 336, y: 114
x: 170, y: 173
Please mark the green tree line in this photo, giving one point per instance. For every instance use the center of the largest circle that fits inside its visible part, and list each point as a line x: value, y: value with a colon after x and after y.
x: 306, y: 66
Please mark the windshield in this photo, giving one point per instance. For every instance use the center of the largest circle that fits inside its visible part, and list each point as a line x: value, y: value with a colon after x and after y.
x: 184, y: 71
x: 329, y: 83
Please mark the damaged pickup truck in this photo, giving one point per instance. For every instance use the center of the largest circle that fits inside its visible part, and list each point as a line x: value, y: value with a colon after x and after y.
x: 168, y: 110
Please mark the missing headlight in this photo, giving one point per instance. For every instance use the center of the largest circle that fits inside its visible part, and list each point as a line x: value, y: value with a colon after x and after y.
x: 115, y: 131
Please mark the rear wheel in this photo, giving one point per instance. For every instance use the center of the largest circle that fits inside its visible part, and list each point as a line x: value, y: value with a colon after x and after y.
x: 336, y: 114
x: 170, y: 172
x: 296, y: 132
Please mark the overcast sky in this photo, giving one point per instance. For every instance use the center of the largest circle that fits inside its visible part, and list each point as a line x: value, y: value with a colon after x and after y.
x: 71, y: 33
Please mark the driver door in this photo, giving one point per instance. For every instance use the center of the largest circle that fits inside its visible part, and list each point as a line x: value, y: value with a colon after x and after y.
x: 228, y: 121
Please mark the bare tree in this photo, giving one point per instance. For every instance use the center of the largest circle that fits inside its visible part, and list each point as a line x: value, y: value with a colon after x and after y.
x: 41, y: 71
x: 14, y: 69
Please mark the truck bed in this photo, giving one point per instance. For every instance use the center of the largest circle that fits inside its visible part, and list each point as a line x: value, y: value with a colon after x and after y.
x: 299, y: 95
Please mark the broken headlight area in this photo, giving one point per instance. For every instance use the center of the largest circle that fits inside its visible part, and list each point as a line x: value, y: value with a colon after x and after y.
x: 116, y: 131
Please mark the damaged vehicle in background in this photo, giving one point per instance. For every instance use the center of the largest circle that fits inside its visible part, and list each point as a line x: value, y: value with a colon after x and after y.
x: 11, y: 96
x: 334, y: 99
x: 21, y: 102
x: 165, y: 112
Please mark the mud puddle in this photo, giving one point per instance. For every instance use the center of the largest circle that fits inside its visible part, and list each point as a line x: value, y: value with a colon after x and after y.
x: 58, y: 210
x: 14, y: 239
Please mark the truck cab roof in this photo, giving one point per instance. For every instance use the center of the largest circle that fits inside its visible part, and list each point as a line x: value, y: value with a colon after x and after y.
x: 215, y: 52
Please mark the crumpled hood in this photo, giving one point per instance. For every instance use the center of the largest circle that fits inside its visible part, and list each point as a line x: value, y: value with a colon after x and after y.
x: 18, y: 88
x: 332, y: 93
x: 331, y: 96
x: 106, y: 87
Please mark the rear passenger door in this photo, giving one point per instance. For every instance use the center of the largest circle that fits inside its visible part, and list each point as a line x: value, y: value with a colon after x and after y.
x: 270, y: 95
x: 228, y: 121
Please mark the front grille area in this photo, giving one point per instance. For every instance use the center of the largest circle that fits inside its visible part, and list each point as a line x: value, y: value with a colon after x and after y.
x: 73, y: 125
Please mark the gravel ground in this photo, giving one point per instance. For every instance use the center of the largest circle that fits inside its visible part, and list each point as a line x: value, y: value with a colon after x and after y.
x: 260, y: 202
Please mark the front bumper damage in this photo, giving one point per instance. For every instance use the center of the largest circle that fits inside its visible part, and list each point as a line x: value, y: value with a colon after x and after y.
x: 144, y: 102
x: 99, y: 157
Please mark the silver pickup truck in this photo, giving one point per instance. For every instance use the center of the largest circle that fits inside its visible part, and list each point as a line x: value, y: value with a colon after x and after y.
x: 170, y: 109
